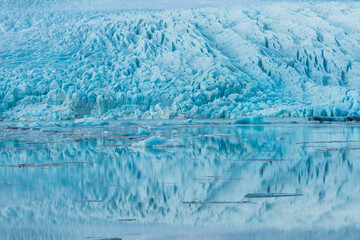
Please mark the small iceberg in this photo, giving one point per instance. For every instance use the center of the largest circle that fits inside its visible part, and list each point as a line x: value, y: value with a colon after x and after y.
x: 249, y: 120
x: 150, y: 142
x: 143, y: 131
x: 158, y: 143
x: 90, y: 121
x: 187, y: 121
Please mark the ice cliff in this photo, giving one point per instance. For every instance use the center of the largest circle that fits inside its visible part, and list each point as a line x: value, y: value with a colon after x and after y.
x: 274, y: 59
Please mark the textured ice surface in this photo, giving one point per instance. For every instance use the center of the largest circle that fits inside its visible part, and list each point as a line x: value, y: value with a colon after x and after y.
x: 278, y: 59
x: 114, y: 4
x: 281, y: 177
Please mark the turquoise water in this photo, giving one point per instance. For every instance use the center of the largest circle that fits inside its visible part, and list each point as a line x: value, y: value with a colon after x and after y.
x: 179, y: 180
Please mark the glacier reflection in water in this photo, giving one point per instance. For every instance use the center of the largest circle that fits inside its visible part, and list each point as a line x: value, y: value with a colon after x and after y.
x: 127, y: 179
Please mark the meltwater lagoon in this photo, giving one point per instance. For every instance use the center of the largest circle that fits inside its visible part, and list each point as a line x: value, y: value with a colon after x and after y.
x: 179, y: 180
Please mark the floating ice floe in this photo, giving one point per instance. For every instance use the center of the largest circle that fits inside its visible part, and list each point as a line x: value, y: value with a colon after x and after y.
x: 158, y: 143
x: 187, y: 121
x: 90, y: 121
x: 143, y: 131
x: 150, y: 142
x: 249, y: 120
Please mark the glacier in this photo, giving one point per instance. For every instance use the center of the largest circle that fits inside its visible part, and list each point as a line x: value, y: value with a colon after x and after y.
x: 285, y: 59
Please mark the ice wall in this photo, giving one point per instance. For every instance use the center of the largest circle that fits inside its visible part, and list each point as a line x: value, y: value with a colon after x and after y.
x: 285, y: 59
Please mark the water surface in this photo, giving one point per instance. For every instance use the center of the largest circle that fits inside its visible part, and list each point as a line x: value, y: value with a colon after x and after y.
x: 179, y: 180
